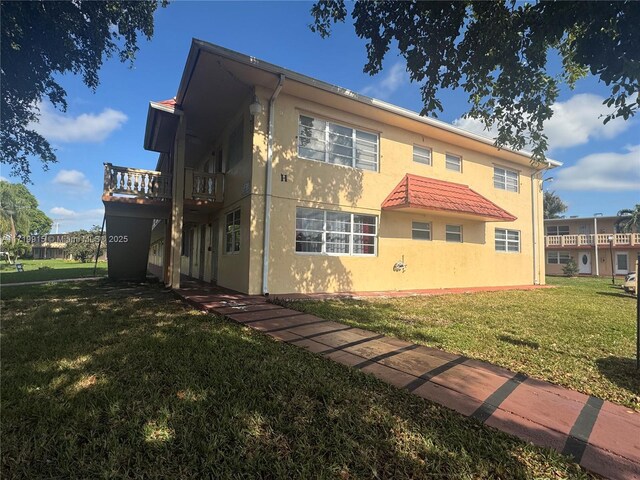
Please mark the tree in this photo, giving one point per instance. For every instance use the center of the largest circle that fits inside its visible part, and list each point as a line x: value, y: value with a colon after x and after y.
x: 83, y: 244
x: 497, y: 52
x: 42, y: 40
x: 553, y: 205
x: 630, y: 220
x: 19, y: 212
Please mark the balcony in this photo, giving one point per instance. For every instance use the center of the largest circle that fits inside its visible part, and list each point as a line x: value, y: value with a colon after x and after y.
x: 126, y: 182
x: 590, y: 240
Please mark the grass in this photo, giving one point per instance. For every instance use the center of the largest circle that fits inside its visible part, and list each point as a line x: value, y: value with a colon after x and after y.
x: 581, y: 334
x: 104, y: 381
x: 42, y: 270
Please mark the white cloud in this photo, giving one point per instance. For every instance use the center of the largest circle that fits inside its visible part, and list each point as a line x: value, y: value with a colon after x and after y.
x: 607, y: 171
x: 73, y: 180
x: 3, y: 179
x: 395, y: 78
x: 66, y: 220
x: 87, y: 127
x: 574, y: 122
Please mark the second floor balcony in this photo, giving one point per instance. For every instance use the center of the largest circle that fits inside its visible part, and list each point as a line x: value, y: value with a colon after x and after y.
x: 155, y: 185
x: 590, y: 240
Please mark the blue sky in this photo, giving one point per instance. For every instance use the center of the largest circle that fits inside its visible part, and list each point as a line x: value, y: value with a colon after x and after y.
x: 601, y: 170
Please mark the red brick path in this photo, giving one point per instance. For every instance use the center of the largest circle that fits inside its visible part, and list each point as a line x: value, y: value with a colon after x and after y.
x: 601, y: 436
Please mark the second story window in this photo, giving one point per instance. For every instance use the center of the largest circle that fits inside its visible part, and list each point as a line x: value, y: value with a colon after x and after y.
x: 505, y: 179
x: 454, y: 162
x: 332, y: 143
x: 558, y: 230
x: 422, y: 155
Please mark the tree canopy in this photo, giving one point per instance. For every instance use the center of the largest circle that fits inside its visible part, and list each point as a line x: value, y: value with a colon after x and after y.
x: 498, y: 52
x: 43, y: 39
x: 630, y: 221
x: 554, y: 207
x: 19, y: 212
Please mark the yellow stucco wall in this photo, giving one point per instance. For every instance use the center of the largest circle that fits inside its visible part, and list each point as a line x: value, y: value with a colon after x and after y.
x: 430, y: 264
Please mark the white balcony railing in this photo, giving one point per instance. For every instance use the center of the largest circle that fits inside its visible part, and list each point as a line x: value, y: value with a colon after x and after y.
x: 206, y: 186
x: 136, y: 182
x: 630, y: 239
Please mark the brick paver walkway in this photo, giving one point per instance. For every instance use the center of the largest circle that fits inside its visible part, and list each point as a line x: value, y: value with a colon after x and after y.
x: 601, y: 436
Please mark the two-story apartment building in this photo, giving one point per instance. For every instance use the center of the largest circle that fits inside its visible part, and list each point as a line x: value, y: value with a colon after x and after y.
x: 594, y: 243
x: 269, y: 181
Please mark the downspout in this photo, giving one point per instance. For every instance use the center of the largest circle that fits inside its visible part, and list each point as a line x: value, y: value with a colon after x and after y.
x: 267, y: 196
x: 534, y: 222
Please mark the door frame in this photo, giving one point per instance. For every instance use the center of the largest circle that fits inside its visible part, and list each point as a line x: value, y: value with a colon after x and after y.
x: 616, y: 269
x: 215, y: 245
x: 582, y: 266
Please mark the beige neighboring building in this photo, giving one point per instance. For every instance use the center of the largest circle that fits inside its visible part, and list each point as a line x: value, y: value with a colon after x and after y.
x: 594, y: 243
x: 269, y: 181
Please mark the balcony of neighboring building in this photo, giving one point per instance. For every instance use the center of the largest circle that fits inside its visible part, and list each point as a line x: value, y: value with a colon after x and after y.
x: 136, y: 186
x: 591, y: 240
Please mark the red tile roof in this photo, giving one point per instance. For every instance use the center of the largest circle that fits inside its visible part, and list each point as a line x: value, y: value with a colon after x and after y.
x: 425, y: 193
x: 170, y: 102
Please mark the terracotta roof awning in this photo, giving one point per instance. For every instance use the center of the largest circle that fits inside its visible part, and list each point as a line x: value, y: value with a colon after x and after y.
x: 422, y: 193
x: 162, y: 123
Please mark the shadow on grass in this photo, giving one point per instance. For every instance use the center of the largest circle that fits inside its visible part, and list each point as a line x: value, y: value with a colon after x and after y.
x: 122, y: 380
x: 622, y: 372
x: 518, y: 342
x: 616, y: 294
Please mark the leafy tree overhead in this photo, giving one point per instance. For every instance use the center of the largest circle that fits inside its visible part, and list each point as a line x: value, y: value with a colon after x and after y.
x: 553, y: 205
x: 630, y: 221
x: 497, y: 52
x: 41, y: 40
x: 19, y: 212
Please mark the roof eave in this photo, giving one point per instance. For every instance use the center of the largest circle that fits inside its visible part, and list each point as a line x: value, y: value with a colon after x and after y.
x: 201, y: 45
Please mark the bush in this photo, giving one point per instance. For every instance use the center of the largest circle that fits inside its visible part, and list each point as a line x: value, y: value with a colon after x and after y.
x: 570, y: 269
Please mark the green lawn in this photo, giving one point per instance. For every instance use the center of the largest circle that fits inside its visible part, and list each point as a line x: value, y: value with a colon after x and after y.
x: 40, y: 270
x: 581, y: 334
x: 105, y: 381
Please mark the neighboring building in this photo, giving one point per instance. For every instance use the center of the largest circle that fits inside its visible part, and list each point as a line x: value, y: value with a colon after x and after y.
x: 592, y: 242
x: 343, y: 192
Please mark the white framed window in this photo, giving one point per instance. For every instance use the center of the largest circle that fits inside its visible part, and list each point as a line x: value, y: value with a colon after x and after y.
x: 558, y: 258
x: 329, y: 142
x: 422, y: 155
x: 558, y: 230
x: 453, y: 233
x: 232, y: 232
x: 506, y: 179
x: 453, y: 162
x: 507, y: 240
x: 325, y: 232
x: 421, y: 231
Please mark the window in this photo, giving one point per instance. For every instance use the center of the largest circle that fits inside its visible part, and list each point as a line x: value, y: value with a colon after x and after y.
x: 420, y: 231
x: 453, y: 233
x: 558, y: 230
x: 332, y: 143
x: 232, y: 232
x: 505, y: 179
x: 235, y: 146
x: 558, y: 258
x: 422, y: 155
x: 507, y: 240
x: 335, y: 233
x: 454, y: 162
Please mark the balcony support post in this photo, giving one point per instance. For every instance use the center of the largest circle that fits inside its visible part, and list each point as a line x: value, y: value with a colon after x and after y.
x: 177, y: 205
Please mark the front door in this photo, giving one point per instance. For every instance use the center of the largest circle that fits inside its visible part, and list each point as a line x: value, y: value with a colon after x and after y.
x: 622, y: 263
x: 584, y: 266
